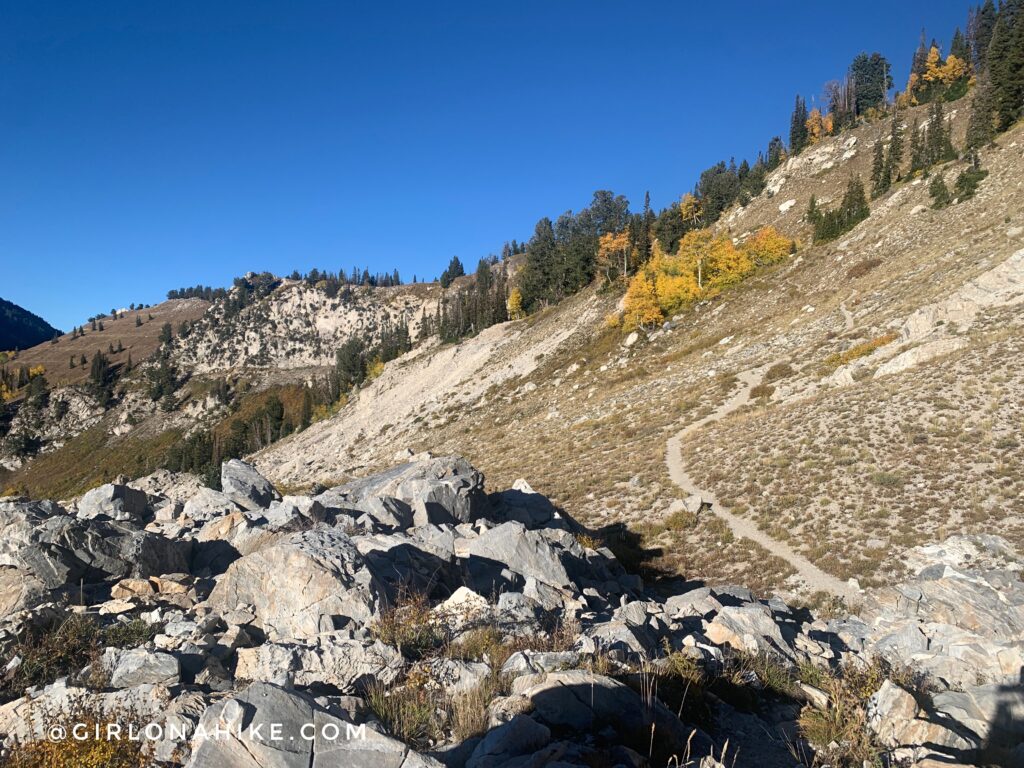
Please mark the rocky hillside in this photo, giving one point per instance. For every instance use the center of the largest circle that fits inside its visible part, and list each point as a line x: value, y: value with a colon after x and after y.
x: 851, y: 403
x: 20, y: 329
x: 298, y: 325
x: 412, y: 618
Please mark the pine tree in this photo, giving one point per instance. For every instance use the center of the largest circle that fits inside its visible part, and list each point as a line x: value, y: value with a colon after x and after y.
x: 979, y: 31
x: 939, y: 192
x: 879, y: 183
x: 959, y: 47
x: 981, y: 127
x: 917, y: 150
x: 71, y: 364
x: 894, y: 158
x: 798, y: 135
x: 855, y: 206
x: 1005, y: 61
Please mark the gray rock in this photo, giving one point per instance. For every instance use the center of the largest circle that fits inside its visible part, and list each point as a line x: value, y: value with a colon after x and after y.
x: 139, y: 666
x: 993, y: 713
x: 896, y: 720
x: 384, y: 513
x: 746, y: 628
x: 208, y: 504
x: 44, y: 550
x: 530, y: 663
x: 308, y: 582
x: 239, y: 732
x: 294, y: 511
x: 584, y: 702
x: 522, y: 551
x: 113, y: 502
x: 244, y: 485
x: 522, y: 735
x: 337, y: 661
x: 450, y: 483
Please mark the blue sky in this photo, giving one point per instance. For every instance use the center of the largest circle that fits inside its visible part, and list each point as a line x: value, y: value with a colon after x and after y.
x: 151, y: 145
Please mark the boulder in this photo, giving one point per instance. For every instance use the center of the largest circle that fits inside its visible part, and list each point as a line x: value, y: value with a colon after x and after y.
x: 114, y: 502
x: 341, y: 662
x: 584, y: 702
x: 520, y: 736
x: 42, y: 549
x: 295, y: 511
x: 524, y: 552
x: 447, y: 485
x: 306, y: 583
x: 208, y: 504
x: 746, y: 628
x: 993, y: 713
x: 897, y: 721
x: 243, y: 484
x: 266, y: 726
x: 139, y: 666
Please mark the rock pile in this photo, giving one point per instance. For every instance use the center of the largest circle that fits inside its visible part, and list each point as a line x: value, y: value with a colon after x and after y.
x: 410, y: 619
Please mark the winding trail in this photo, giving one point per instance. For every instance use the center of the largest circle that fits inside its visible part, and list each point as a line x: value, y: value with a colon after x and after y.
x: 815, y: 578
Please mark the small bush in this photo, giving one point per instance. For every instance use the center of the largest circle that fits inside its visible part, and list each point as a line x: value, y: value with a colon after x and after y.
x: 50, y: 653
x: 861, y: 268
x: 966, y: 184
x: 90, y: 752
x: 762, y: 391
x: 409, y: 712
x: 777, y: 372
x: 409, y: 626
x: 130, y: 634
x: 468, y: 711
x: 860, y: 350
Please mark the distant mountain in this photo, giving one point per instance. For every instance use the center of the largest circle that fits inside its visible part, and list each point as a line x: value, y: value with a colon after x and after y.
x: 20, y: 329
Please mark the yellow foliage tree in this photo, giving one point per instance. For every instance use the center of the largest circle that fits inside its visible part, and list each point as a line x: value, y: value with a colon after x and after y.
x: 675, y: 281
x: 933, y: 64
x: 726, y: 265
x: 36, y: 370
x: 515, y: 304
x: 642, y: 308
x: 952, y: 70
x: 690, y: 209
x: 374, y: 369
x: 612, y: 249
x: 818, y: 126
x: 767, y: 246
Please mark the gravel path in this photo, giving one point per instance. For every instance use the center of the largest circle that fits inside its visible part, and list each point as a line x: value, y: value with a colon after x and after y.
x: 814, y: 578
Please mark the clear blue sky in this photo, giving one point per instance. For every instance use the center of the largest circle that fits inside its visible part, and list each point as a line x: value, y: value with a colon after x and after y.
x: 150, y: 145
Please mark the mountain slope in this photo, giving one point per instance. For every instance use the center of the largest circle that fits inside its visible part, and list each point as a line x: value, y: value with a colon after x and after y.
x: 882, y: 425
x: 20, y: 328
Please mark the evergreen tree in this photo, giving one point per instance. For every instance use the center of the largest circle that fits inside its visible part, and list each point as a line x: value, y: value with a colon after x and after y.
x: 775, y: 155
x: 454, y: 270
x: 101, y: 379
x: 917, y: 151
x: 71, y: 364
x: 539, y: 270
x: 1005, y: 60
x: 979, y: 31
x: 798, y: 136
x: 879, y: 184
x: 959, y: 46
x: 855, y: 206
x: 894, y: 157
x: 871, y: 77
x: 981, y: 127
x: 166, y: 334
x: 939, y: 192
